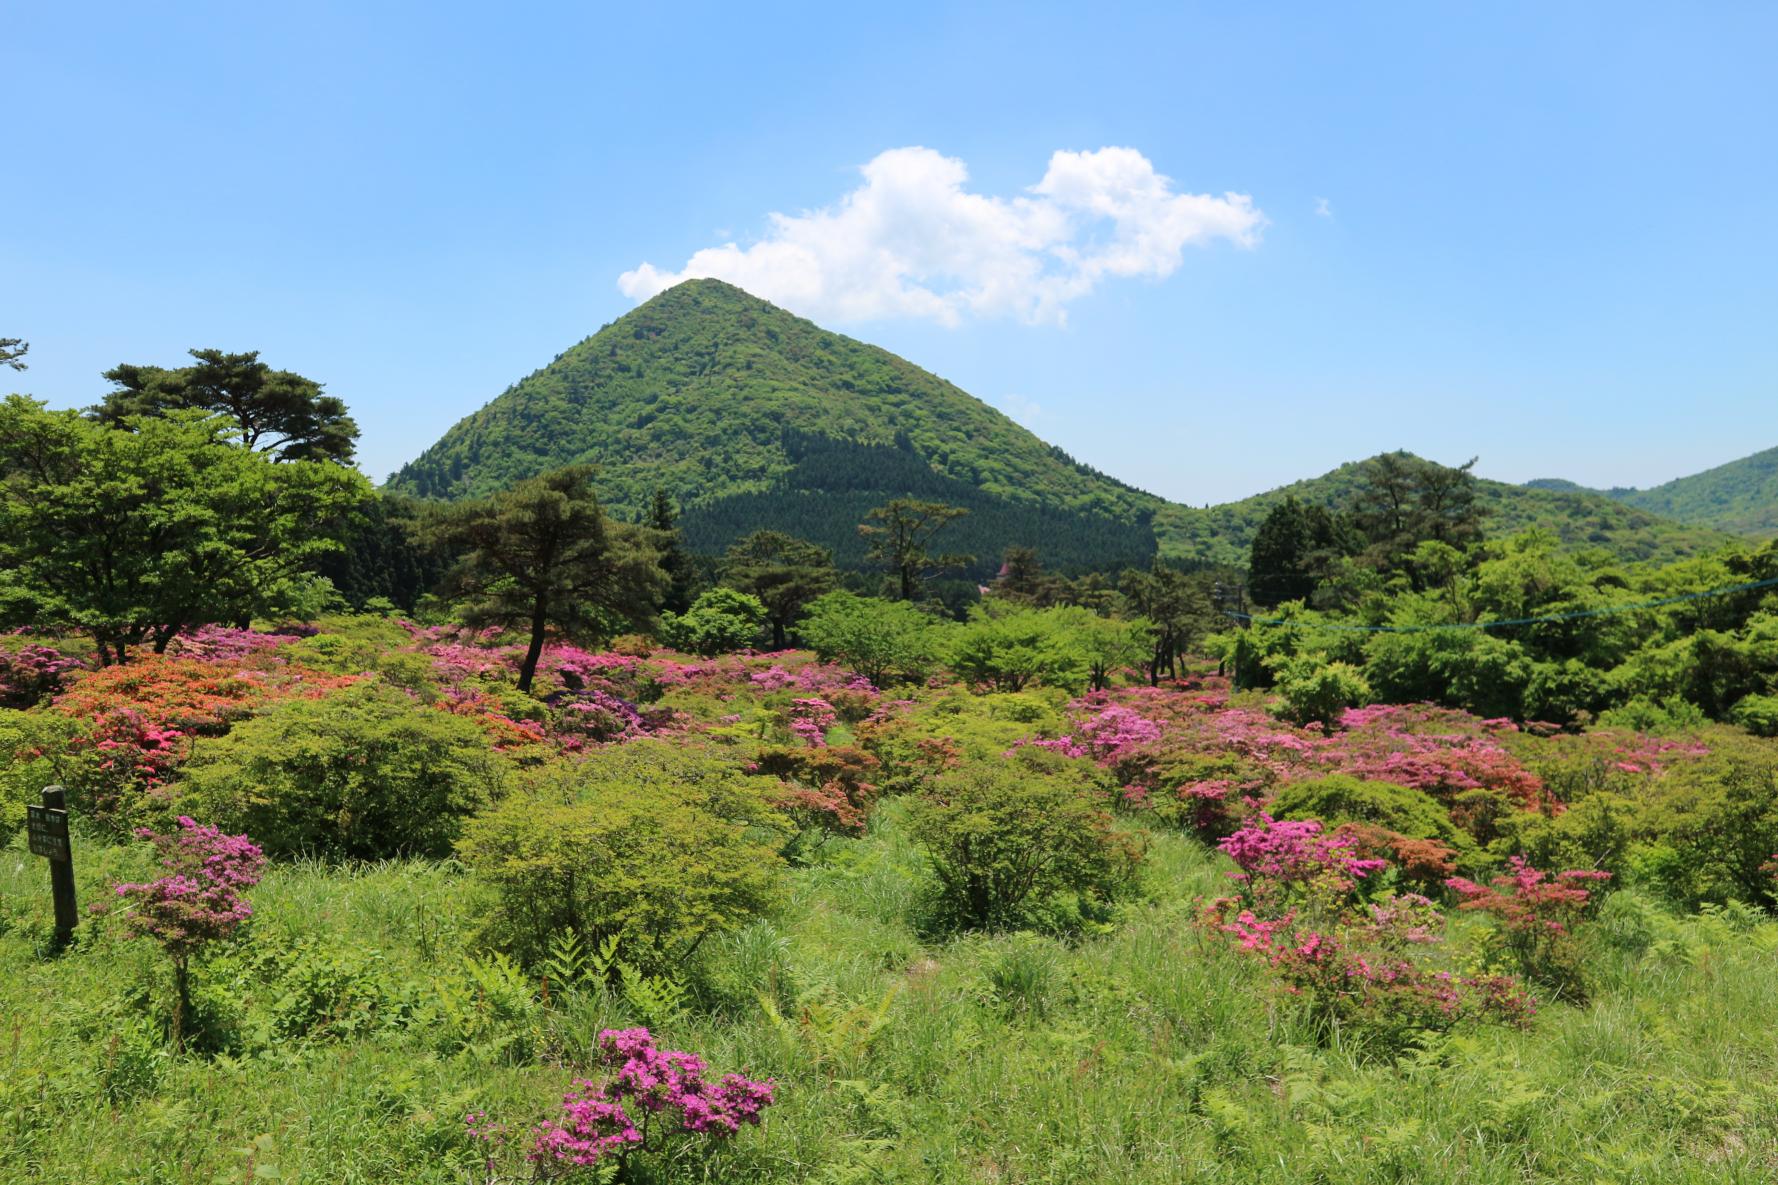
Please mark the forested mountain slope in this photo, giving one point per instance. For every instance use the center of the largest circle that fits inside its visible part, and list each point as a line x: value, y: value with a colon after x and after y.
x: 751, y: 417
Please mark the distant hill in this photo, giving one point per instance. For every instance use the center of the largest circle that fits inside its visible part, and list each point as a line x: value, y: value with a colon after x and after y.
x: 1580, y: 518
x: 1740, y: 497
x: 751, y: 417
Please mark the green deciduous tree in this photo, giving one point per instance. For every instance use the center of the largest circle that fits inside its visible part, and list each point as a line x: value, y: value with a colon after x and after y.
x: 720, y: 621
x: 275, y: 411
x: 135, y: 535
x: 881, y: 640
x: 544, y: 553
x: 1007, y: 647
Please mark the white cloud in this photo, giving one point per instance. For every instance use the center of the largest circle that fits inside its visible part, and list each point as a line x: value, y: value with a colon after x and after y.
x: 913, y: 241
x: 1322, y: 208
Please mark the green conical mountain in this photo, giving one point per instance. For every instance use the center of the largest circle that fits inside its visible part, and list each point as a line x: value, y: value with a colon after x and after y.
x: 751, y: 417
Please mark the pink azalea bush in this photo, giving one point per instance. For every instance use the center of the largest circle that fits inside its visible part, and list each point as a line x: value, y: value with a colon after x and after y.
x: 1536, y: 915
x: 32, y: 674
x: 649, y: 1098
x: 198, y: 901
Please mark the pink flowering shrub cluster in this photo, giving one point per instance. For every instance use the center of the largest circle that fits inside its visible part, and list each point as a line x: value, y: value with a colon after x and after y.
x: 809, y: 720
x: 221, y: 643
x: 650, y: 1098
x: 33, y: 674
x: 1367, y: 967
x: 1535, y: 914
x: 198, y: 901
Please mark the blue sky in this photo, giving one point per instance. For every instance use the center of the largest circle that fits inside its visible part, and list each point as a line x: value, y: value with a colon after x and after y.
x: 1544, y: 234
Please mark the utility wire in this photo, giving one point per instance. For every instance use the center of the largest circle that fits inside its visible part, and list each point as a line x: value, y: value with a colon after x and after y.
x: 1606, y: 611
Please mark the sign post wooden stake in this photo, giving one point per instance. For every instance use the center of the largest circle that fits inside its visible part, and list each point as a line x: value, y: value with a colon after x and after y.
x: 47, y: 826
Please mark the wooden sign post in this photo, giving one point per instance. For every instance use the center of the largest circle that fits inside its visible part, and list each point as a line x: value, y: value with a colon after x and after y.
x: 47, y: 829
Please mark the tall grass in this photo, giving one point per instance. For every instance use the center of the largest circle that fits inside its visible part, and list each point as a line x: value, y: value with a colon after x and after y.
x: 1148, y: 1053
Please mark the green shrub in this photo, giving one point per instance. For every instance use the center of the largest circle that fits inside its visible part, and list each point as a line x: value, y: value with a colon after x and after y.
x: 1005, y: 836
x: 363, y: 773
x: 1671, y: 714
x: 1342, y: 798
x: 722, y: 620
x: 881, y: 640
x: 656, y: 846
x: 1758, y: 714
x: 1708, y: 830
x: 1313, y: 690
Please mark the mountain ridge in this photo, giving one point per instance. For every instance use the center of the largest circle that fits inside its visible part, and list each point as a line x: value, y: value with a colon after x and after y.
x: 750, y: 416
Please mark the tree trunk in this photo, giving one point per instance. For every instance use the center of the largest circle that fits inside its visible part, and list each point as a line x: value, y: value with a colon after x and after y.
x: 777, y: 633
x: 539, y: 622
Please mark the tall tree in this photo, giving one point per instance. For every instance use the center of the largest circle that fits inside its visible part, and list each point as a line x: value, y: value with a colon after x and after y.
x: 275, y: 411
x: 1404, y: 500
x: 544, y: 553
x: 682, y: 572
x: 136, y: 536
x: 784, y: 572
x: 1291, y: 551
x: 1178, y: 608
x: 900, y: 535
x: 13, y: 351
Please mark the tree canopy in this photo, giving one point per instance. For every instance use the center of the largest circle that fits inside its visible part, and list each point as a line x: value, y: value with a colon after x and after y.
x: 135, y: 536
x: 275, y: 411
x: 544, y: 553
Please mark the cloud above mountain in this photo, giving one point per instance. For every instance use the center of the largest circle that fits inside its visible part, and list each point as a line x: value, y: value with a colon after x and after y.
x: 913, y: 241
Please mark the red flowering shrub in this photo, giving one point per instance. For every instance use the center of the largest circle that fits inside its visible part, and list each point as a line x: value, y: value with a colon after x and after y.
x: 1536, y: 915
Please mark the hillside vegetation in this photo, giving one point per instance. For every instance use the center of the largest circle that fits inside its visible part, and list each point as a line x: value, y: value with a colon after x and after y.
x: 750, y: 418
x: 712, y: 394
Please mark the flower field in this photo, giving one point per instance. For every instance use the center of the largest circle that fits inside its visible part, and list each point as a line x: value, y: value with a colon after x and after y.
x: 356, y: 908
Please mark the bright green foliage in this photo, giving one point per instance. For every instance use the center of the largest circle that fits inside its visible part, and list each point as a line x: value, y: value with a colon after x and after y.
x: 1314, y: 690
x: 543, y: 553
x: 1342, y: 798
x: 722, y: 620
x: 1758, y: 714
x: 784, y: 572
x: 272, y: 411
x: 658, y: 847
x: 1004, y: 837
x: 1709, y: 831
x: 1108, y: 644
x: 1007, y: 647
x: 27, y: 739
x: 881, y: 640
x: 361, y: 774
x: 133, y: 535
